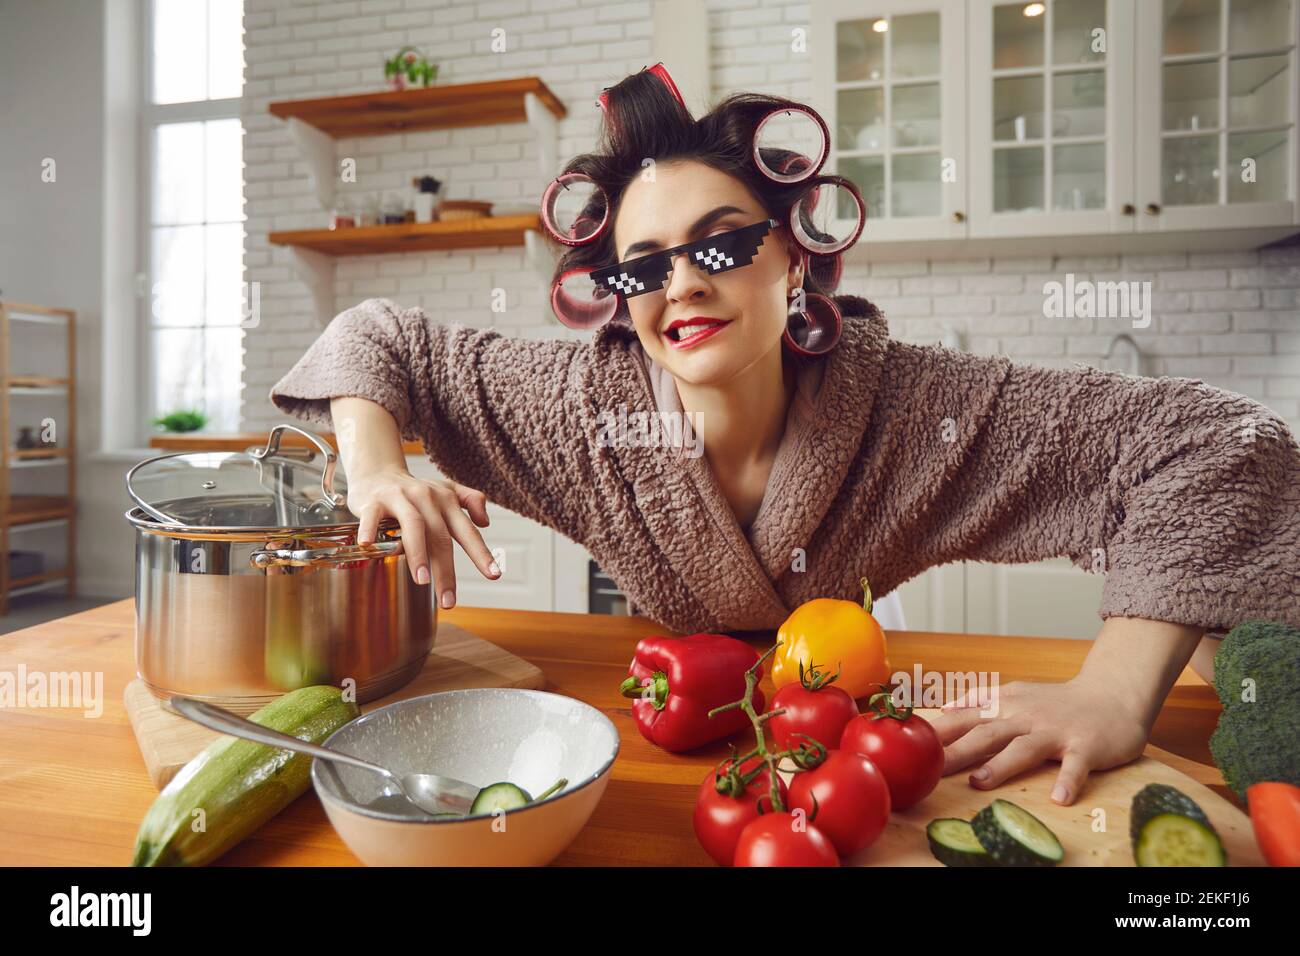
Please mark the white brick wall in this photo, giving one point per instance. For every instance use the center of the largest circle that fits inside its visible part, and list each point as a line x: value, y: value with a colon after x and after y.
x: 1232, y: 319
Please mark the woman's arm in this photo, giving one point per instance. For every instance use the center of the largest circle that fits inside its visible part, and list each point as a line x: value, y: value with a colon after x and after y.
x: 1187, y: 497
x: 502, y: 417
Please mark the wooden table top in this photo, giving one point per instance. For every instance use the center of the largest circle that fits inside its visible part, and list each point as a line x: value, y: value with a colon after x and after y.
x: 73, y: 789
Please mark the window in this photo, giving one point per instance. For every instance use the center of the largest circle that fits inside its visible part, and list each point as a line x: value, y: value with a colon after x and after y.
x: 194, y: 228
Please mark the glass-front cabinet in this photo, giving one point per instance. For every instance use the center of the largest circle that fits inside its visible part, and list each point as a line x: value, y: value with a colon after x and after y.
x: 988, y: 119
x: 1051, y: 117
x: 895, y: 103
x: 1216, y: 126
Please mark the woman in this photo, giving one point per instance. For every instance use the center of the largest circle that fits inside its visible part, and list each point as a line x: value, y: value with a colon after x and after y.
x: 819, y: 467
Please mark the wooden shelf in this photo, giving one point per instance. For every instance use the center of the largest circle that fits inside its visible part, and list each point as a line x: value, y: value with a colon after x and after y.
x: 412, y: 237
x: 315, y: 125
x: 43, y: 577
x: 437, y: 107
x: 30, y: 312
x: 28, y: 509
x: 37, y: 454
x: 36, y: 381
x: 242, y: 441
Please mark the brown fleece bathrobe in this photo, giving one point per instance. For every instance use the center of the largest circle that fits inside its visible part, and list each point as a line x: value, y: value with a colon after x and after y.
x: 896, y: 458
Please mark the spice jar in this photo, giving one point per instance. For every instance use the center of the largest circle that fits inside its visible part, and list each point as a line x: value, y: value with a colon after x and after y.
x: 342, y: 216
x: 393, y: 211
x: 369, y: 213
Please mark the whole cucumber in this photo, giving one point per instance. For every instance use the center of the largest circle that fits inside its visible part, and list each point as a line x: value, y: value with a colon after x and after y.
x: 234, y: 785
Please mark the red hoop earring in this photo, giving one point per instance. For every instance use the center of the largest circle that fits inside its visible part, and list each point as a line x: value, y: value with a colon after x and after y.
x: 816, y: 329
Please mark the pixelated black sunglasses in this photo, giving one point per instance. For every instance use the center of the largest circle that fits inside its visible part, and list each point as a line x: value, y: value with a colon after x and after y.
x: 717, y: 253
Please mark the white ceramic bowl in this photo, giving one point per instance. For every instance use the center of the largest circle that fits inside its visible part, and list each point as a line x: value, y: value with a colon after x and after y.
x: 482, y: 736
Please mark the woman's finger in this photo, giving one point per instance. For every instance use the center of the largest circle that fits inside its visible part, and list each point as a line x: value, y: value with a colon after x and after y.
x: 952, y: 724
x: 987, y: 738
x: 1069, y: 782
x: 437, y: 543
x: 473, y: 501
x: 1024, y: 753
x: 412, y: 525
x: 980, y: 697
x: 463, y: 531
x: 369, y: 526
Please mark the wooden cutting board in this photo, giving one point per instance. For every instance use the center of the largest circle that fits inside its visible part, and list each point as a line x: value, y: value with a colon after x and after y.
x: 458, y: 660
x: 1106, y: 799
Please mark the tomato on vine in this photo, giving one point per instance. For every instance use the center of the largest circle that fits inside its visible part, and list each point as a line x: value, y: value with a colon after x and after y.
x: 903, y: 745
x: 721, y: 813
x: 850, y: 796
x: 814, y: 706
x: 784, y: 839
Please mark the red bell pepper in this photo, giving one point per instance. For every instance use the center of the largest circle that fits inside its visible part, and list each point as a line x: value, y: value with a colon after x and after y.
x: 676, y: 682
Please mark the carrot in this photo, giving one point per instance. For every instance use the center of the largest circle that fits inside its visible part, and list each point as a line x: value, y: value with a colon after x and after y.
x: 1275, y: 815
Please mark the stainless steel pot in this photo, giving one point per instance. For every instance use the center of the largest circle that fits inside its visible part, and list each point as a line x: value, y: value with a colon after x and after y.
x: 250, y: 583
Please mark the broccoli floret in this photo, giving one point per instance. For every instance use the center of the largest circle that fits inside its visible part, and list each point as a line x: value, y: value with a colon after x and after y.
x: 1258, y: 738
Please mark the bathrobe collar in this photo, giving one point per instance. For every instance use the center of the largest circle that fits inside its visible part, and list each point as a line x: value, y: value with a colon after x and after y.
x: 685, y: 510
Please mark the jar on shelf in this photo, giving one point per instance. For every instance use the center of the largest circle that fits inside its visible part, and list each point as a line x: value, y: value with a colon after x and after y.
x: 426, y: 198
x: 369, y: 212
x: 394, y: 211
x: 342, y: 216
x: 408, y: 204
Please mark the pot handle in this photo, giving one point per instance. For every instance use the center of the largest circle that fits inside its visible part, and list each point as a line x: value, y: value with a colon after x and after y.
x: 323, y: 557
x: 332, y: 497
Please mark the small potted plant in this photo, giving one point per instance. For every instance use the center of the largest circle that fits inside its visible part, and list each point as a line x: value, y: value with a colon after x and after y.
x: 409, y: 64
x: 182, y: 421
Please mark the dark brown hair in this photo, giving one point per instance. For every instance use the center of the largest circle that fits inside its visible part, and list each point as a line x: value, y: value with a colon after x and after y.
x: 650, y: 123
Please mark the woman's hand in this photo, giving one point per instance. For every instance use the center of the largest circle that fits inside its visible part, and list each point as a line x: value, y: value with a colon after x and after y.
x: 431, y: 515
x: 1081, y: 723
x: 1100, y: 718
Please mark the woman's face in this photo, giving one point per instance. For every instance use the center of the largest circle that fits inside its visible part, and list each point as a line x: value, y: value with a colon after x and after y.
x: 745, y: 308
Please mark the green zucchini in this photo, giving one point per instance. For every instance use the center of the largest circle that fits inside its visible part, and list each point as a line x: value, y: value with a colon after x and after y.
x: 1168, y: 828
x: 234, y: 785
x: 954, y: 843
x: 1015, y: 837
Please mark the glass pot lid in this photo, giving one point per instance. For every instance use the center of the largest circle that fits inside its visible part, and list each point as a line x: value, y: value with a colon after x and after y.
x: 263, y: 488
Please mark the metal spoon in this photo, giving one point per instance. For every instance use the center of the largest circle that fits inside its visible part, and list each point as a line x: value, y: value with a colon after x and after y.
x: 432, y: 793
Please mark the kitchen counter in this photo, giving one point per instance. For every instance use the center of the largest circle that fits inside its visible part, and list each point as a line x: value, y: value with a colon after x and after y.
x: 73, y: 789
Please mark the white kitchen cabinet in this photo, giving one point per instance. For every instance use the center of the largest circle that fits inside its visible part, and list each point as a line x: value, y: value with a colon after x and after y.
x: 1043, y: 599
x: 1051, y: 117
x: 1066, y: 126
x: 525, y: 549
x: 1217, y: 114
x: 935, y: 600
x: 895, y: 103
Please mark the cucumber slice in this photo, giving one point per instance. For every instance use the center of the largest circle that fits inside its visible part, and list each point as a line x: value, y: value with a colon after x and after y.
x: 1015, y: 837
x: 1170, y: 839
x: 1168, y: 828
x: 954, y: 843
x: 499, y: 796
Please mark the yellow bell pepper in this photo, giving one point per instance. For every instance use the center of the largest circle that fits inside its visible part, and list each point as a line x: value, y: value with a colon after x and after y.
x: 834, y: 634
